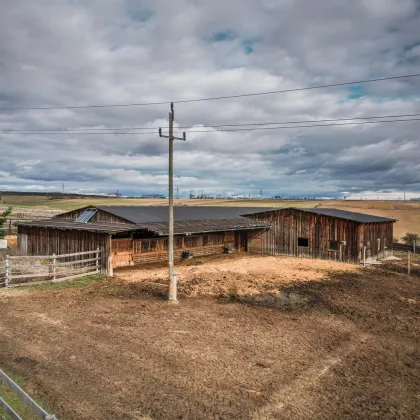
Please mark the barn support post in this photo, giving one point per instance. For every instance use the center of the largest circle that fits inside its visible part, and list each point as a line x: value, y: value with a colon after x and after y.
x: 110, y: 270
x: 54, y: 261
x: 364, y: 254
x: 408, y: 263
x: 97, y: 259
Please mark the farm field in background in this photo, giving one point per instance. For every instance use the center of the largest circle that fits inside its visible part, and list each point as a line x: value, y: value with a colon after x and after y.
x: 247, y: 341
x: 407, y: 213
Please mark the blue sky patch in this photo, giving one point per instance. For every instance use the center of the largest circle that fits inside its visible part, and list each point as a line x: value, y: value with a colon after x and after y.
x: 249, y: 45
x: 226, y: 35
x: 411, y: 46
x: 356, y: 92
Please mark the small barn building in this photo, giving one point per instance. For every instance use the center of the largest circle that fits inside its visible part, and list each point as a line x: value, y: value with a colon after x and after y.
x: 323, y: 233
x: 139, y: 234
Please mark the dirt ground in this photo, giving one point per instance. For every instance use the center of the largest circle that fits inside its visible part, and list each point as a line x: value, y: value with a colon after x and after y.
x: 345, y: 347
x: 234, y: 275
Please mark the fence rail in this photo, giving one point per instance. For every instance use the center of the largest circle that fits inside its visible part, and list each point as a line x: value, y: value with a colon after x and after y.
x: 15, y: 271
x: 25, y: 398
x: 405, y: 247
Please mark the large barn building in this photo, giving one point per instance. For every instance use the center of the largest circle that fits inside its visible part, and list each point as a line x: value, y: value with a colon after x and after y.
x: 138, y: 234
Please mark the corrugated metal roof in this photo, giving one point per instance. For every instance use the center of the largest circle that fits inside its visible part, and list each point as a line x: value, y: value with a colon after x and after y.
x: 161, y: 229
x: 204, y: 226
x: 64, y: 224
x: 347, y: 215
x: 146, y: 214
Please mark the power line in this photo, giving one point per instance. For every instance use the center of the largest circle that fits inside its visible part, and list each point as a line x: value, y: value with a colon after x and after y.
x: 99, y: 130
x: 302, y: 126
x: 307, y: 121
x: 215, y: 98
x: 74, y: 132
x: 232, y: 130
x: 299, y: 89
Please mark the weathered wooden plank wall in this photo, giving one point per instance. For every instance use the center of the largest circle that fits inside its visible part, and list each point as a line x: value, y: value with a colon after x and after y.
x: 288, y: 225
x: 46, y: 241
x: 378, y: 238
x: 99, y: 216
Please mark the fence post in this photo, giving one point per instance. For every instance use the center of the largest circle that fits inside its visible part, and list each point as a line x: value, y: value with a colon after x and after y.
x: 110, y: 267
x: 8, y: 271
x: 10, y: 226
x: 364, y: 254
x: 408, y: 263
x: 54, y: 258
x: 97, y: 259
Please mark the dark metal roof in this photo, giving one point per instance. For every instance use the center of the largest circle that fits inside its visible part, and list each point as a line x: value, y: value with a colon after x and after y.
x: 204, y: 226
x: 161, y: 229
x: 347, y: 215
x: 147, y: 214
x: 64, y: 224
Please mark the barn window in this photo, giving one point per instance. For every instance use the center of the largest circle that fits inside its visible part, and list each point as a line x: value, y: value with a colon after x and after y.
x: 303, y: 242
x: 335, y: 245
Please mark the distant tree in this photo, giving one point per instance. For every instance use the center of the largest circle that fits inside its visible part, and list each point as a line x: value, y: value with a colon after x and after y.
x: 3, y: 217
x: 410, y: 238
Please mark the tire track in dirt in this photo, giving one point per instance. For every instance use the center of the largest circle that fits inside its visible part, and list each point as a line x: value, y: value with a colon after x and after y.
x: 294, y: 393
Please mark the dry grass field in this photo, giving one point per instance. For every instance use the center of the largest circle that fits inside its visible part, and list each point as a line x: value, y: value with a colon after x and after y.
x: 332, y: 341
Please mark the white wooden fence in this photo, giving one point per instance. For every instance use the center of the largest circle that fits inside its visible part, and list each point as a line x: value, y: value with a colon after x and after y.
x: 22, y: 270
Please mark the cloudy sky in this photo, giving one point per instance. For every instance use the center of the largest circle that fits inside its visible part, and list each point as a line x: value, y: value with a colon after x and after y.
x: 57, y: 53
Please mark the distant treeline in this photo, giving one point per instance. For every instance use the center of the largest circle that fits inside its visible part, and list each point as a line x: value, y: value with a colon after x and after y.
x: 60, y: 195
x: 51, y: 194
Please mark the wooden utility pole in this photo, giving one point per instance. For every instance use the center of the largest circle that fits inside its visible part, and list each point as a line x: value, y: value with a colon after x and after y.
x: 172, y: 278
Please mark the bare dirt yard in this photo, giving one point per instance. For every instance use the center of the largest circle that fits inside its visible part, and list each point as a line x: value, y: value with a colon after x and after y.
x: 256, y: 338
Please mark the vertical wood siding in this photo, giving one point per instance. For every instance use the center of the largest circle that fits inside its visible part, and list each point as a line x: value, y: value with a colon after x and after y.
x: 99, y: 216
x: 288, y: 225
x: 47, y: 241
x: 378, y: 238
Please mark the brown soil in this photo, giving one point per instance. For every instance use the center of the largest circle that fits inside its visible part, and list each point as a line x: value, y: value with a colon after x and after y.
x: 235, y: 275
x: 347, y: 350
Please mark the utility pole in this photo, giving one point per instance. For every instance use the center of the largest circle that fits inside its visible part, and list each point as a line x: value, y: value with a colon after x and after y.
x: 172, y: 279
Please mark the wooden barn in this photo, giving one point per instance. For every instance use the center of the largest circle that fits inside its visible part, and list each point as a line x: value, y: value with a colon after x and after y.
x: 139, y: 234
x: 323, y: 233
